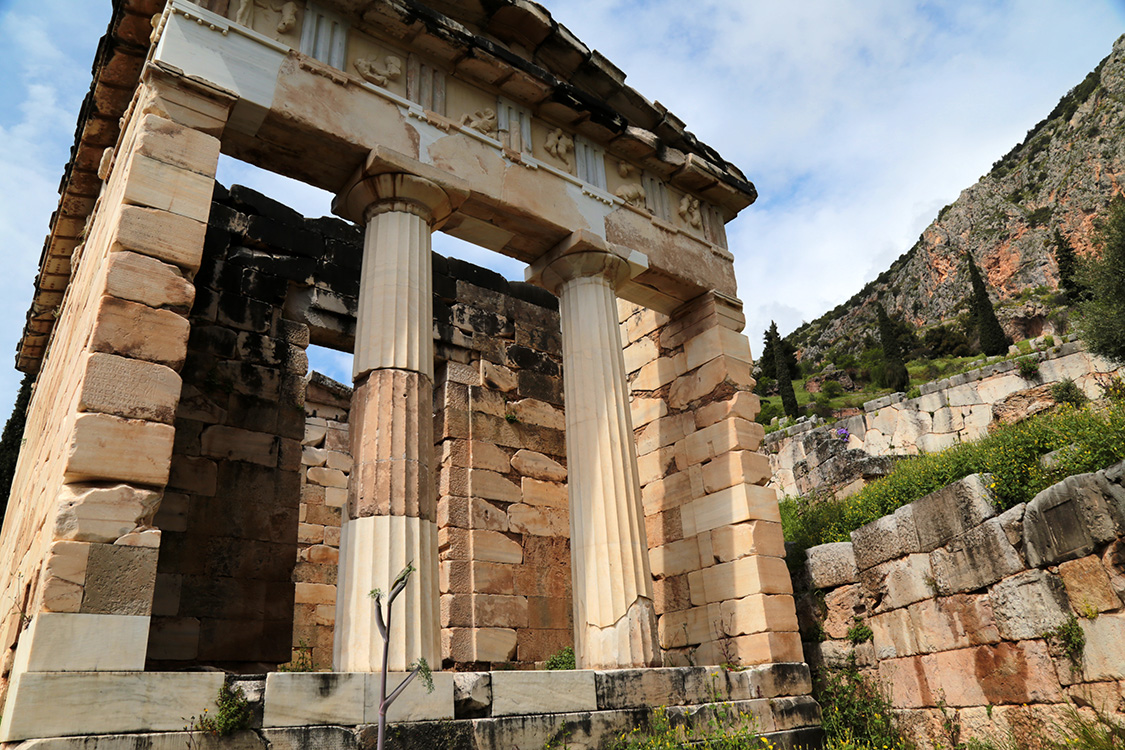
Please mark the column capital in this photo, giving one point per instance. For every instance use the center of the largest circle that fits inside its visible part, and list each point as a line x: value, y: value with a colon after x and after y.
x: 584, y: 253
x: 388, y: 180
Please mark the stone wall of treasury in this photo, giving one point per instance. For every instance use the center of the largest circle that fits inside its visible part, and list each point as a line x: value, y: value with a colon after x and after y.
x: 808, y: 457
x: 79, y: 548
x: 965, y: 606
x: 722, y: 591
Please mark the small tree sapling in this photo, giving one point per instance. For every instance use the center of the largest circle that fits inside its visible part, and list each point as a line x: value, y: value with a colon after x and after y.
x: 419, y: 669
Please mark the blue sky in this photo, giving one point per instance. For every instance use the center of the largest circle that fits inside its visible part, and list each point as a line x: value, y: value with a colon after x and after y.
x: 856, y: 119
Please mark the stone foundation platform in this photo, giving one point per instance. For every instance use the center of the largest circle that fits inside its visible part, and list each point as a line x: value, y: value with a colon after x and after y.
x: 521, y: 710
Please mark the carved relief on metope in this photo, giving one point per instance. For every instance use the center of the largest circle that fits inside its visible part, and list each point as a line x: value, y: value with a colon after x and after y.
x: 288, y: 11
x: 559, y: 145
x: 372, y: 71
x: 483, y: 121
x: 689, y: 211
x: 631, y: 192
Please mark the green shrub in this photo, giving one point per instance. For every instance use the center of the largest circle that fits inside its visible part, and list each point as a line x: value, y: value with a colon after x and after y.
x: 1090, y: 438
x: 1028, y: 368
x: 1114, y: 389
x: 719, y: 727
x: 1067, y: 392
x: 1070, y: 638
x: 833, y: 389
x: 854, y: 711
x: 859, y: 632
x: 232, y: 713
x: 562, y: 659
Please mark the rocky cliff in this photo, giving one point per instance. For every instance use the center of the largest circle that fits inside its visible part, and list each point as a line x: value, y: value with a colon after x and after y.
x: 1061, y: 177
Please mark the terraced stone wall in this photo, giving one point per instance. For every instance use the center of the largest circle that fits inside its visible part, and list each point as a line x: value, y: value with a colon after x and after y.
x: 964, y: 606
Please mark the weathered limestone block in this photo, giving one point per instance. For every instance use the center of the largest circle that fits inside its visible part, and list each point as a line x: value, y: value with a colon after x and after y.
x: 905, y: 678
x: 953, y: 510
x: 157, y: 184
x: 963, y: 395
x: 741, y: 405
x: 842, y: 606
x: 742, y: 502
x: 151, y: 282
x: 719, y: 371
x: 631, y: 688
x: 300, y: 698
x: 493, y: 546
x: 910, y: 427
x: 645, y: 410
x: 998, y: 674
x: 1088, y: 586
x: 654, y: 375
x: 952, y: 622
x: 745, y: 539
x: 719, y: 438
x: 892, y: 634
x: 95, y: 513
x: 104, y: 447
x: 639, y: 353
x: 758, y: 613
x: 479, y: 644
x: 57, y: 704
x: 980, y: 557
x: 898, y: 583
x: 675, y: 558
x: 538, y: 521
x: 664, y: 431
x: 140, y: 332
x: 120, y: 580
x: 667, y: 493
x: 716, y: 342
x: 537, y: 466
x: 543, y: 692
x: 159, y: 234
x: 738, y: 579
x: 758, y: 648
x: 831, y: 565
x: 1067, y: 520
x: 886, y: 538
x: 1029, y: 604
x: 1104, y: 655
x: 736, y: 467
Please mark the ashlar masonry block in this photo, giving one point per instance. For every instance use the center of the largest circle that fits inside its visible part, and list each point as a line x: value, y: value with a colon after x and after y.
x: 719, y: 438
x: 759, y: 613
x: 104, y: 447
x: 140, y: 332
x: 160, y: 234
x: 736, y: 467
x: 130, y: 388
x: 740, y: 578
x: 742, y: 502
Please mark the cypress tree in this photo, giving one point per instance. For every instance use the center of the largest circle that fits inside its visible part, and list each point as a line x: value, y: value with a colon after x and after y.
x: 993, y: 340
x: 1101, y: 317
x: 781, y: 372
x: 1067, y: 262
x: 11, y: 440
x: 894, y: 370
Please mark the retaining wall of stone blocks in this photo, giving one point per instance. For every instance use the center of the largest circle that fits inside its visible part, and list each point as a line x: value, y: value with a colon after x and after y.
x: 807, y: 457
x: 960, y: 599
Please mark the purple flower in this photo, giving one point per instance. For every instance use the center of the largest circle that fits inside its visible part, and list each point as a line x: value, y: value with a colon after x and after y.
x: 843, y: 433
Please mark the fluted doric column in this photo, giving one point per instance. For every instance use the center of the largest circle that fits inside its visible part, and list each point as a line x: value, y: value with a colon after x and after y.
x: 614, y: 618
x: 391, y: 512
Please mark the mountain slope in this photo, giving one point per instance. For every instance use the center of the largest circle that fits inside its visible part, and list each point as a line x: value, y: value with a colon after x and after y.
x: 1062, y: 176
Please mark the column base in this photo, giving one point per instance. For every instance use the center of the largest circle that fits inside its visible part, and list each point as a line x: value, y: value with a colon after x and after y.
x: 629, y: 642
x: 373, y: 550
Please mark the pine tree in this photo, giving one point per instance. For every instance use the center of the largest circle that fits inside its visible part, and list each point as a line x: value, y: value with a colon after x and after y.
x: 993, y: 340
x: 1101, y: 317
x: 781, y: 372
x: 11, y: 440
x: 768, y: 348
x: 1067, y: 262
x: 895, y: 374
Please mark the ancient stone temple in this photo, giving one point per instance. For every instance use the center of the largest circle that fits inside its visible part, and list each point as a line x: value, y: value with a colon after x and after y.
x: 566, y: 461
